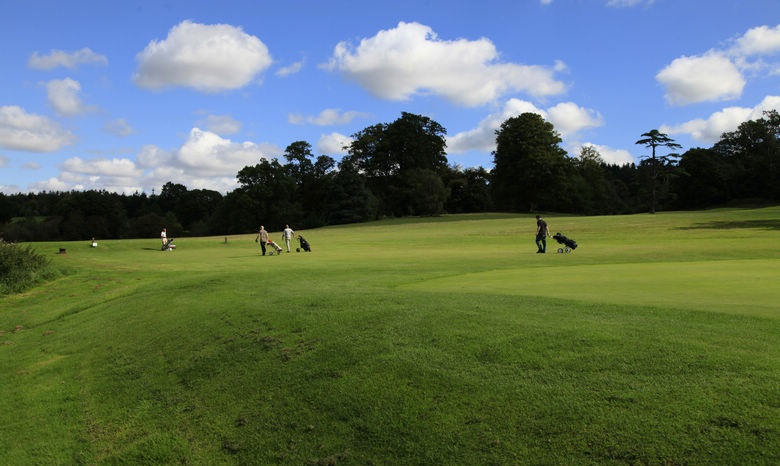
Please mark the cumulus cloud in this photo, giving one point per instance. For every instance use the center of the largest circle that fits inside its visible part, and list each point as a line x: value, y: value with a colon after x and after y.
x: 719, y: 75
x: 64, y: 97
x: 290, y: 69
x: 71, y: 60
x: 410, y: 60
x: 327, y: 117
x: 52, y: 184
x: 208, y: 58
x: 758, y: 41
x: 20, y: 130
x: 567, y: 118
x: 221, y: 124
x: 333, y: 143
x: 710, y: 130
x: 710, y: 77
x: 119, y: 127
x: 207, y: 154
x: 204, y: 161
x: 610, y: 155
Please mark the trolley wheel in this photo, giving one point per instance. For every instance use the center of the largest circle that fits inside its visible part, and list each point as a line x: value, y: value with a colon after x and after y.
x: 560, y: 250
x: 567, y: 250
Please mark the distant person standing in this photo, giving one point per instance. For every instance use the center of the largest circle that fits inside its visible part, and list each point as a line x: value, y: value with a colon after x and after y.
x: 542, y: 231
x: 167, y: 245
x: 262, y: 237
x: 287, y: 235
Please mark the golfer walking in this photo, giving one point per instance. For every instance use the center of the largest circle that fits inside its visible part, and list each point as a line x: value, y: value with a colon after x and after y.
x: 542, y: 231
x: 262, y: 236
x: 287, y: 235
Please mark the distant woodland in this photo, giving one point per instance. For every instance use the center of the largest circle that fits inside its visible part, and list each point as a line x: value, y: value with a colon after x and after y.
x: 400, y: 169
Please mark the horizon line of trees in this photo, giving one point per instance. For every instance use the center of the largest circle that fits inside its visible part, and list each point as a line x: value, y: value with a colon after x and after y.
x: 400, y: 169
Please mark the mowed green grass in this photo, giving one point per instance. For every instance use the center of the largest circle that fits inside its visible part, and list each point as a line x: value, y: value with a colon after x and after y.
x: 420, y: 341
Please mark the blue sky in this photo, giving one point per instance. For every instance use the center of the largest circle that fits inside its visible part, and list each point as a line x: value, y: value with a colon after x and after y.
x: 128, y: 95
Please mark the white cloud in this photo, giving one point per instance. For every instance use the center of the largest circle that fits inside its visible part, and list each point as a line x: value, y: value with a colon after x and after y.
x: 709, y: 77
x: 290, y: 69
x: 610, y: 155
x: 102, y: 167
x: 119, y: 127
x: 72, y: 60
x: 333, y: 143
x: 152, y: 156
x: 568, y: 119
x: 64, y: 97
x: 9, y: 189
x: 209, y: 58
x: 719, y: 75
x: 483, y: 137
x: 203, y: 161
x: 327, y: 117
x: 116, y: 175
x: 758, y: 41
x: 52, y: 184
x: 409, y: 60
x: 20, y: 130
x: 710, y: 130
x: 206, y: 154
x: 221, y: 124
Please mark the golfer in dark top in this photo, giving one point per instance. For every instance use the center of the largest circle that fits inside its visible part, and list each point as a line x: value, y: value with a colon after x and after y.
x: 541, y: 235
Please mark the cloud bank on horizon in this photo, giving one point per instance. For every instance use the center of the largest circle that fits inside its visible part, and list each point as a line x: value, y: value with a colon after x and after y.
x: 80, y: 129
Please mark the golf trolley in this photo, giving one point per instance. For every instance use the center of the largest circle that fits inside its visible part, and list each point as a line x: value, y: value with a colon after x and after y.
x: 569, y: 244
x: 168, y: 245
x: 304, y: 244
x: 275, y: 248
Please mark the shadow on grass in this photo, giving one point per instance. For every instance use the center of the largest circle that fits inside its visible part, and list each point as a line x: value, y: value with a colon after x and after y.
x: 769, y: 224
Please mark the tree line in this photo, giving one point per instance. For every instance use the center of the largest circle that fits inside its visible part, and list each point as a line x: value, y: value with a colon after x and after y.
x: 400, y: 169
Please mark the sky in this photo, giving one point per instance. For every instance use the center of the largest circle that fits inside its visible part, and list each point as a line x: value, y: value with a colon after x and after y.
x: 126, y: 96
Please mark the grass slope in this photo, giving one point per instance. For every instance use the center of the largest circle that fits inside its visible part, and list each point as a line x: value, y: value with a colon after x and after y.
x: 425, y: 341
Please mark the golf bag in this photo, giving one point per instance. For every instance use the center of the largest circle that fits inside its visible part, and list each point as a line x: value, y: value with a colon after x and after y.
x: 304, y: 244
x: 168, y: 245
x: 568, y: 244
x: 275, y: 247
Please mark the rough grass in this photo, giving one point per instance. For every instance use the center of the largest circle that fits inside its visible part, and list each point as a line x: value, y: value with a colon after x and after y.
x: 424, y: 341
x: 21, y: 268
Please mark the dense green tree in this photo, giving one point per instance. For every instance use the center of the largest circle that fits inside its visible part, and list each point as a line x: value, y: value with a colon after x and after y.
x: 271, y: 190
x: 659, y: 165
x: 753, y: 151
x: 468, y: 189
x: 170, y: 195
x: 349, y: 200
x: 704, y: 180
x: 312, y: 182
x: 146, y: 226
x: 386, y: 154
x: 530, y: 169
x: 592, y: 190
x: 194, y: 209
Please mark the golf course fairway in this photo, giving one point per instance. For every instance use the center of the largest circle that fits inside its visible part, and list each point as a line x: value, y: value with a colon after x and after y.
x: 422, y: 341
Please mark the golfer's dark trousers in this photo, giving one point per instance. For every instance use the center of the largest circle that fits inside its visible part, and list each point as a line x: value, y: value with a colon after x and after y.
x: 541, y: 243
x: 262, y: 246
